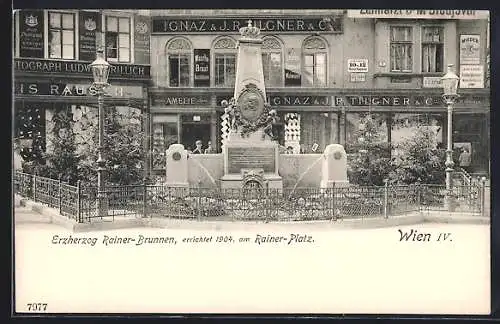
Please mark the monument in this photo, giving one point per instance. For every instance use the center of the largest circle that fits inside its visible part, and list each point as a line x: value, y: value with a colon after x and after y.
x: 251, y: 155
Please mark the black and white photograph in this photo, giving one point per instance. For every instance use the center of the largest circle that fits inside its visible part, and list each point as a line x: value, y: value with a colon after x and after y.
x: 227, y: 161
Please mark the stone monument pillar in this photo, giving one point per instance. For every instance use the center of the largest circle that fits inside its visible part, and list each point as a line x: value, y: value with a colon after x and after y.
x: 250, y: 154
x: 176, y: 166
x: 334, y: 167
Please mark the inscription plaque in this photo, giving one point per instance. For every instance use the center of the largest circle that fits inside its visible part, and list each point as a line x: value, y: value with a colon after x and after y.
x: 250, y: 158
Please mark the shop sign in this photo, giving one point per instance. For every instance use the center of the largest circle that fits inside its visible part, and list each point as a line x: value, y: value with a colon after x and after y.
x: 181, y: 101
x: 292, y: 68
x: 299, y: 100
x: 432, y: 82
x: 72, y: 89
x: 202, y: 68
x: 471, y: 76
x: 470, y: 47
x: 31, y: 29
x: 331, y: 24
x: 388, y: 101
x: 358, y: 77
x: 89, y: 24
x: 142, y: 32
x: 131, y: 71
x: 418, y: 14
x: 357, y: 65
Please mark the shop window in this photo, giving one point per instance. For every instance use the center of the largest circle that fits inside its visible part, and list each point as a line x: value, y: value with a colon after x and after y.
x: 165, y: 133
x: 30, y: 130
x: 62, y: 35
x: 272, y: 62
x: 432, y: 49
x: 401, y: 49
x: 118, y: 39
x: 179, y: 52
x: 225, y: 62
x: 315, y: 62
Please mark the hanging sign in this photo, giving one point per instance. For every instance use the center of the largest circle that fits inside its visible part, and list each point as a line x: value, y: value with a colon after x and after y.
x: 202, y: 68
x: 87, y: 38
x: 292, y: 68
x: 470, y: 49
x: 357, y: 65
x: 142, y: 40
x: 31, y: 28
x: 471, y: 76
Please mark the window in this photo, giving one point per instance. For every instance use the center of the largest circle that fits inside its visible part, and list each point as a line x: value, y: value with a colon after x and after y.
x: 271, y: 62
x: 179, y: 58
x: 432, y: 49
x: 61, y: 35
x: 225, y: 62
x: 315, y: 51
x: 118, y: 39
x: 401, y: 49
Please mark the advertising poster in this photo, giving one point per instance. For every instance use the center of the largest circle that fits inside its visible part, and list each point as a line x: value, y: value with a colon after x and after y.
x: 89, y: 24
x: 141, y: 40
x: 470, y: 48
x: 31, y: 27
x: 201, y: 67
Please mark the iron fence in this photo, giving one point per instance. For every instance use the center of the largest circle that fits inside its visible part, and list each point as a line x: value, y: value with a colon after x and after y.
x: 257, y: 204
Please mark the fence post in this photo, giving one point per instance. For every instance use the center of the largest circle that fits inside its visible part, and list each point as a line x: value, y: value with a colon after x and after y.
x: 483, y: 195
x: 333, y: 201
x: 60, y: 196
x: 386, y: 189
x: 144, y: 198
x: 34, y: 187
x: 78, y: 202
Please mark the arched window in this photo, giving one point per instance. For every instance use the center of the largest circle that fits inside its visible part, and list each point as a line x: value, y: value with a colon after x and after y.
x: 272, y: 62
x: 225, y: 62
x: 315, y: 54
x: 179, y: 51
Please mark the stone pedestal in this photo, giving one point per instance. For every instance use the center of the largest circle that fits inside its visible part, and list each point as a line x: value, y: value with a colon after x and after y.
x: 177, y: 166
x: 334, y: 167
x: 247, y: 155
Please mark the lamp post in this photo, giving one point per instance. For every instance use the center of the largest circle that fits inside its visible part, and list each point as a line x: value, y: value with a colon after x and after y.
x: 450, y: 85
x: 100, y: 71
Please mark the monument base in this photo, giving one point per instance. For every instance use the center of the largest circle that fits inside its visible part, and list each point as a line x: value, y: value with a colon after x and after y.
x: 334, y: 184
x: 235, y: 181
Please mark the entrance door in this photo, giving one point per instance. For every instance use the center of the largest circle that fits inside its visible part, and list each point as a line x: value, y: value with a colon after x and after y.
x: 191, y: 132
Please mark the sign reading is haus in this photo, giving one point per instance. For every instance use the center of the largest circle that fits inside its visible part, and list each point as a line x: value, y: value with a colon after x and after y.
x: 331, y: 24
x: 76, y: 68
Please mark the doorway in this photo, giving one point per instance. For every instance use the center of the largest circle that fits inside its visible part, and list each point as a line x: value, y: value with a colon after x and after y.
x: 193, y: 131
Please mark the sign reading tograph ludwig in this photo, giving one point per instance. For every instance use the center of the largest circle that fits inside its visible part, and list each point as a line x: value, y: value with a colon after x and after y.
x: 251, y: 158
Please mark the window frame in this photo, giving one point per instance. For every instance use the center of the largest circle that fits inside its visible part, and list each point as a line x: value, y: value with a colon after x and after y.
x: 314, y: 52
x: 410, y: 42
x: 216, y: 51
x: 282, y: 60
x: 422, y: 43
x: 75, y: 30
x: 118, y: 33
x: 189, y: 52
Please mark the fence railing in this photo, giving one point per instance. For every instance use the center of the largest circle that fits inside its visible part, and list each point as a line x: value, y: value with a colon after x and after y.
x: 138, y: 201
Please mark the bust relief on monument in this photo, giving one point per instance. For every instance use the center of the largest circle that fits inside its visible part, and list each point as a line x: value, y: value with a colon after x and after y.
x: 251, y: 104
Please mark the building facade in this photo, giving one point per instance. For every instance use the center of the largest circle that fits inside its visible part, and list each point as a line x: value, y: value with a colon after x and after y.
x: 326, y: 71
x: 52, y: 51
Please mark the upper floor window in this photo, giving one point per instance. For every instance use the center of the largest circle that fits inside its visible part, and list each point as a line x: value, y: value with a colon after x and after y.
x: 315, y: 62
x: 401, y: 49
x: 118, y: 39
x: 61, y: 35
x: 225, y: 62
x: 179, y: 62
x: 272, y: 62
x: 432, y: 49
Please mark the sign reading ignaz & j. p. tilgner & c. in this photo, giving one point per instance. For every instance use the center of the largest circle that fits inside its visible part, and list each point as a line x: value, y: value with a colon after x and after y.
x: 331, y: 24
x: 418, y: 13
x: 132, y: 71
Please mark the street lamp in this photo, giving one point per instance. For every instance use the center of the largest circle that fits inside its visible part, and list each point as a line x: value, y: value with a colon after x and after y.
x: 450, y: 85
x: 100, y: 71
